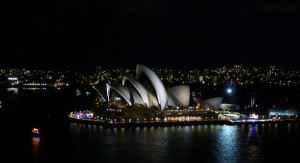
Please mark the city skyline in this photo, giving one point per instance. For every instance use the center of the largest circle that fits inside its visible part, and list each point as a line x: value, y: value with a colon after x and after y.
x: 232, y: 75
x: 80, y: 35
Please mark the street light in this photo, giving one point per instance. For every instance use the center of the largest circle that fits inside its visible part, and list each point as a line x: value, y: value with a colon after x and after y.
x: 229, y: 90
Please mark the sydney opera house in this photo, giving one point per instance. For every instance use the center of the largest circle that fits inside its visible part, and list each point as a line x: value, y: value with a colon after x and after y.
x: 146, y: 91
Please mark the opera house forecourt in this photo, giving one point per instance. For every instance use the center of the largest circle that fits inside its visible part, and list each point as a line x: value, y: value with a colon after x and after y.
x: 143, y: 100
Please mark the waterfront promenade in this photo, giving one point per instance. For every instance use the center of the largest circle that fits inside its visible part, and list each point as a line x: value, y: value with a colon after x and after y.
x: 181, y: 123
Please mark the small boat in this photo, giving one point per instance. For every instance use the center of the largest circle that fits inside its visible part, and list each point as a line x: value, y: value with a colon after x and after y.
x: 35, y: 132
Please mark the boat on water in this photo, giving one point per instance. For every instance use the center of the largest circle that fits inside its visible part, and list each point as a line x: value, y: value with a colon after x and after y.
x: 35, y: 132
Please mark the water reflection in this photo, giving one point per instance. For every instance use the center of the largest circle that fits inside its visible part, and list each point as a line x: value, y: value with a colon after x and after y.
x: 198, y: 143
x: 253, y: 150
x: 228, y: 144
x: 253, y: 135
x: 36, y: 149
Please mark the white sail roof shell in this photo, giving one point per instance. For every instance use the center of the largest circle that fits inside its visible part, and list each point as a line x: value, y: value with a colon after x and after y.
x: 179, y: 96
x: 122, y: 91
x: 139, y: 88
x: 102, y: 91
x: 159, y: 88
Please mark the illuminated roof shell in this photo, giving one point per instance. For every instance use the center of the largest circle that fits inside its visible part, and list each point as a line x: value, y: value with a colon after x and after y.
x: 179, y: 96
x: 212, y: 103
x: 103, y: 92
x: 137, y: 99
x: 122, y: 91
x: 139, y: 88
x: 215, y: 102
x: 160, y: 91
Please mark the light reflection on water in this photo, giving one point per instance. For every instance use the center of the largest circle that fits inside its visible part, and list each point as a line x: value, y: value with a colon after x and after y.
x: 227, y: 144
x: 36, y: 149
x: 199, y: 143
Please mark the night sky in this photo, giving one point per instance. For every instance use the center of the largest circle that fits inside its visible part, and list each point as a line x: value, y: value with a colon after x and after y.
x: 78, y: 34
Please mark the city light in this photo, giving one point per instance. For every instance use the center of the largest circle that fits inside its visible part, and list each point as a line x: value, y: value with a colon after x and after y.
x: 229, y: 90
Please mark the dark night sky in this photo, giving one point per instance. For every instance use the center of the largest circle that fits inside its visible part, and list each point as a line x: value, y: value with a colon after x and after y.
x: 165, y: 33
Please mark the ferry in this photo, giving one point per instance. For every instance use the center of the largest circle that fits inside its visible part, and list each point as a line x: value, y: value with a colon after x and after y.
x: 35, y: 132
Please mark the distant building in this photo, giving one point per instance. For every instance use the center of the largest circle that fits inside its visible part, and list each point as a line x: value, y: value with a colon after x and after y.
x: 229, y: 107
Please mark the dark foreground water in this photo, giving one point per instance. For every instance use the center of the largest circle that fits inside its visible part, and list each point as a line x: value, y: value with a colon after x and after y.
x: 61, y: 141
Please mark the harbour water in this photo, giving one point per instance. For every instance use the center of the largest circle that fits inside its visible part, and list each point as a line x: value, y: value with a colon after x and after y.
x: 64, y: 141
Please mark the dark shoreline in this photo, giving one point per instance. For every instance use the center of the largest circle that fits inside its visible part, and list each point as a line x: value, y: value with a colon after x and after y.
x: 185, y: 123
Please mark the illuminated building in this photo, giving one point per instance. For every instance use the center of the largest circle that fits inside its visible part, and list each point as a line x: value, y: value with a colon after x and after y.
x: 148, y: 91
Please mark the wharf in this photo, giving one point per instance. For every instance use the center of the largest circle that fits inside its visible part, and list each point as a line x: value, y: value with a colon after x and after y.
x: 180, y: 123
